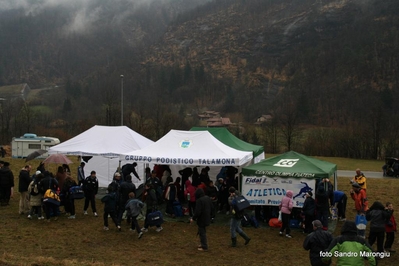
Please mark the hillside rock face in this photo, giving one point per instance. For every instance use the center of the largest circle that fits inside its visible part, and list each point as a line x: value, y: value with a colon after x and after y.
x: 255, y: 42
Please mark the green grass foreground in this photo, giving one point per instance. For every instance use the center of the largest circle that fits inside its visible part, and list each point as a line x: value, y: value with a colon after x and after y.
x: 84, y: 242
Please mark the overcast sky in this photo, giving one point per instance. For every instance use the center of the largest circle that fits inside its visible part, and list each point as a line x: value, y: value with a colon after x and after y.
x: 83, y: 14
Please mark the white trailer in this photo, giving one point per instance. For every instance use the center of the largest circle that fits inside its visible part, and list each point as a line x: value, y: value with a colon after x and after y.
x: 21, y: 147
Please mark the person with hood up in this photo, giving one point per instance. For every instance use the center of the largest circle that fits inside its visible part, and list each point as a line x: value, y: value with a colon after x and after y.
x: 286, y: 206
x: 202, y: 214
x: 377, y: 215
x: 189, y: 193
x: 235, y: 220
x: 316, y: 242
x: 349, y: 243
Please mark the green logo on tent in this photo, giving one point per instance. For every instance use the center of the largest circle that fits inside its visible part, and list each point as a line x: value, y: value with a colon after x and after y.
x: 286, y: 162
x: 185, y: 144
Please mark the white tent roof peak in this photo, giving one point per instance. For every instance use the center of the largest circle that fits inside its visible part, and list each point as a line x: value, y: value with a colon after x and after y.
x: 190, y: 148
x: 110, y: 141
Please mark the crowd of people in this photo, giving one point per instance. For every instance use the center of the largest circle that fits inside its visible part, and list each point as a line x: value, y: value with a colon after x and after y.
x: 203, y: 199
x: 351, y: 247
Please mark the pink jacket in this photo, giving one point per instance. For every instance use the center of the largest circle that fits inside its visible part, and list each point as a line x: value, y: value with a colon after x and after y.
x: 287, y: 203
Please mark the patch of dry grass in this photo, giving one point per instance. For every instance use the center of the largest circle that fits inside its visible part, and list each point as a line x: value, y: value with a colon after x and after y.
x: 83, y: 241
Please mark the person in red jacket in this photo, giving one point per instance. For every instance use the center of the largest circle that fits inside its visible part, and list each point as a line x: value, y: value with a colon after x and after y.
x: 390, y: 229
x: 360, y: 197
x: 189, y: 193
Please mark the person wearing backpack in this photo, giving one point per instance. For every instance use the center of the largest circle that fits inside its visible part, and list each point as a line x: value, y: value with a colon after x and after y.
x: 236, y: 218
x: 35, y: 198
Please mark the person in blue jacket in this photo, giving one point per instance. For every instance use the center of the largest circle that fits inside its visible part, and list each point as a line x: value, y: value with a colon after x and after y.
x: 340, y: 200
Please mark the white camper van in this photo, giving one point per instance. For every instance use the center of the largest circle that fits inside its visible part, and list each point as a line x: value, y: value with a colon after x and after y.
x: 28, y: 143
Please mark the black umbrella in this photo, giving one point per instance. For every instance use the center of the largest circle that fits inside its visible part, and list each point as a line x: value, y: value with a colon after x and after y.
x: 34, y: 155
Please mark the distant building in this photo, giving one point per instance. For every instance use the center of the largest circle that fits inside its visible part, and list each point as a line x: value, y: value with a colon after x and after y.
x: 263, y: 119
x: 204, y: 116
x: 218, y: 122
x: 213, y: 119
x: 11, y: 92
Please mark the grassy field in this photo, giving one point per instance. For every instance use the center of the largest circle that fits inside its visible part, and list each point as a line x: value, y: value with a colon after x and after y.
x: 83, y: 241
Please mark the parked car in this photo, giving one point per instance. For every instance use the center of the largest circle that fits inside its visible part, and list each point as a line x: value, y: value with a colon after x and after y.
x: 391, y: 167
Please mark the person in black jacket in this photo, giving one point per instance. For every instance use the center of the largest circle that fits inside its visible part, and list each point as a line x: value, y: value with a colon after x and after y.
x: 50, y: 208
x: 235, y: 220
x: 126, y: 187
x: 69, y: 200
x: 309, y: 212
x: 23, y: 184
x: 151, y: 200
x: 6, y: 184
x: 316, y: 242
x: 377, y: 215
x: 202, y: 214
x: 90, y: 187
x: 324, y: 197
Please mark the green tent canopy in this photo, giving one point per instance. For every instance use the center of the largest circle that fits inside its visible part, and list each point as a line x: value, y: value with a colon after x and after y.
x: 291, y: 164
x: 226, y: 137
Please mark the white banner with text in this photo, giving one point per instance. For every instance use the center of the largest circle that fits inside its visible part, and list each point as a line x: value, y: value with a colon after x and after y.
x: 270, y: 190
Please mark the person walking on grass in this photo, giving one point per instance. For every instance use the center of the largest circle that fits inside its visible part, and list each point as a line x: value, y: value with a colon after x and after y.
x: 235, y: 220
x: 90, y: 188
x: 110, y: 202
x: 377, y: 215
x: 286, y: 206
x: 316, y: 242
x: 133, y: 208
x: 203, y: 212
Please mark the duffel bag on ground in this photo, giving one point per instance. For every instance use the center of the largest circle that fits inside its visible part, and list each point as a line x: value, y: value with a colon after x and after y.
x: 155, y: 218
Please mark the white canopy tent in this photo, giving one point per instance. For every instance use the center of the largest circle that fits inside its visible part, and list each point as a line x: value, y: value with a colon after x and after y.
x: 190, y: 148
x: 105, y: 144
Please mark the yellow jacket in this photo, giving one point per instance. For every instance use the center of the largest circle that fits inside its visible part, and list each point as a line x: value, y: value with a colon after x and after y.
x: 361, y: 180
